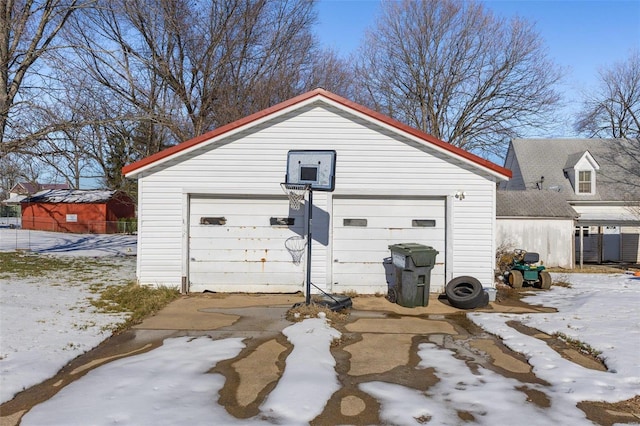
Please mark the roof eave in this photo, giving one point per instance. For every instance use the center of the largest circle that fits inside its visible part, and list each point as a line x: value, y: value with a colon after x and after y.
x: 134, y: 169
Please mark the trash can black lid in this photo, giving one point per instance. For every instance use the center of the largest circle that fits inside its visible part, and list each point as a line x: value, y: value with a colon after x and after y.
x: 420, y: 254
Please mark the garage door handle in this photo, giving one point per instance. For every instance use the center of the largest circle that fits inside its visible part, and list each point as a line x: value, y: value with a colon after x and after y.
x: 336, y: 260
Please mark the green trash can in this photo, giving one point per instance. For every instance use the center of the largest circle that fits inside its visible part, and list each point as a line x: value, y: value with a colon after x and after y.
x: 413, y: 263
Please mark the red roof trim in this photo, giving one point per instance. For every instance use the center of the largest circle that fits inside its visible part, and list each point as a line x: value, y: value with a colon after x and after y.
x: 301, y: 98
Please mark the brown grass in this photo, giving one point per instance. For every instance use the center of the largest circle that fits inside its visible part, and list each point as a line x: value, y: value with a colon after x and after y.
x: 597, y: 269
x: 506, y: 292
x: 137, y: 301
x: 578, y: 345
x: 302, y: 312
x: 504, y: 258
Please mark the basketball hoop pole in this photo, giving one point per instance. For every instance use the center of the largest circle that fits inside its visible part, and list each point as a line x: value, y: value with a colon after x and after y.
x: 309, y: 244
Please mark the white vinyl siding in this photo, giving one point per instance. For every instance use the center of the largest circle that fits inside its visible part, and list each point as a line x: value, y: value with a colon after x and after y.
x: 370, y: 160
x: 245, y: 253
x: 552, y: 239
x: 359, y: 252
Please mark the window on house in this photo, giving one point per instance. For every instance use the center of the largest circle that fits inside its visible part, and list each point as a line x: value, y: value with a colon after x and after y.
x: 423, y: 223
x: 584, y: 182
x: 282, y: 221
x: 213, y: 221
x: 354, y: 222
x: 585, y: 231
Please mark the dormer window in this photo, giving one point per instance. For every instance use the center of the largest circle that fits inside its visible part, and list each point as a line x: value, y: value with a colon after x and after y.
x: 581, y: 169
x: 584, y: 182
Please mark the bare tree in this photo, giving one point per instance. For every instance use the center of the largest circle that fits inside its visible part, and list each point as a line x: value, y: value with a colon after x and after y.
x: 28, y: 31
x: 329, y: 71
x: 452, y: 69
x: 613, y: 109
x: 147, y: 74
x: 191, y: 67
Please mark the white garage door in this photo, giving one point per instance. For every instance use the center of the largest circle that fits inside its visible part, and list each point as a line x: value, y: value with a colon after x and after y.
x: 237, y: 244
x: 363, y: 229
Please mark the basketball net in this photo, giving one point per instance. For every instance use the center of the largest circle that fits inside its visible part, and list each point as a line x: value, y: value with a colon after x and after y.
x: 296, y: 193
x: 296, y: 245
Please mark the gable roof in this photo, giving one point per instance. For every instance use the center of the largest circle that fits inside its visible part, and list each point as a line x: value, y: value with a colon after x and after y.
x: 33, y: 187
x: 70, y: 196
x: 317, y: 95
x: 533, y: 203
x: 617, y: 159
x: 574, y: 159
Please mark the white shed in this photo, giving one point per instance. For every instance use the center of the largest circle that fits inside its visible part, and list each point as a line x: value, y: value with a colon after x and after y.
x: 213, y: 217
x: 538, y: 221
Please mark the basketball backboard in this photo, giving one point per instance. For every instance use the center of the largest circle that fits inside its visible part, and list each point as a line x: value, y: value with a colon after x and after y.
x: 314, y: 168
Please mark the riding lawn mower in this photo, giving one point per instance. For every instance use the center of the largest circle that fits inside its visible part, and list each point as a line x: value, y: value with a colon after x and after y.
x: 524, y: 270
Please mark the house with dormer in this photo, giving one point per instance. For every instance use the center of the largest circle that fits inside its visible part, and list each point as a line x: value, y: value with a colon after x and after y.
x: 599, y: 179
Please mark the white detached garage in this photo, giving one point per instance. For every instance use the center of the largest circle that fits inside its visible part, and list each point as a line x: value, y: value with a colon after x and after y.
x: 213, y: 217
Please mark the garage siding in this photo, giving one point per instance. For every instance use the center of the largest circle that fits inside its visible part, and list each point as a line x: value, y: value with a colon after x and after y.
x: 553, y: 239
x: 363, y: 229
x: 234, y: 246
x: 371, y: 160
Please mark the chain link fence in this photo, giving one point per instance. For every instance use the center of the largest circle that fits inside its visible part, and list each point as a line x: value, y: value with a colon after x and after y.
x: 125, y: 226
x: 16, y: 235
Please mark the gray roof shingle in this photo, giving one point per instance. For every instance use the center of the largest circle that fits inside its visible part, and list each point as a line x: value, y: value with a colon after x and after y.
x: 533, y: 203
x: 617, y: 179
x: 70, y: 196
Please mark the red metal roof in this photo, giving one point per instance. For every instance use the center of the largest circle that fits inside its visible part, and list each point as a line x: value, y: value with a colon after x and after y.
x: 130, y: 168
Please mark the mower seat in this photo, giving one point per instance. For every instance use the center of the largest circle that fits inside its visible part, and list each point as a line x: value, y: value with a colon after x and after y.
x: 530, y: 258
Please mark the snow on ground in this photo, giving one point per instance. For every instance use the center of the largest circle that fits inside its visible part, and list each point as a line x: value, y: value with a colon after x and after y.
x: 600, y: 310
x: 311, y: 340
x: 60, y: 243
x: 46, y: 321
x: 167, y: 386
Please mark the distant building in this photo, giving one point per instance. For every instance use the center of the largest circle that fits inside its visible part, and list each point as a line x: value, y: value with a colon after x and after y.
x: 77, y: 211
x: 30, y: 188
x: 10, y: 208
x: 596, y: 178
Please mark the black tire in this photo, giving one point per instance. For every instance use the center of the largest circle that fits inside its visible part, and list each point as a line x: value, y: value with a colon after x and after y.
x: 392, y: 295
x: 515, y: 279
x: 545, y: 280
x: 485, y: 300
x: 465, y: 293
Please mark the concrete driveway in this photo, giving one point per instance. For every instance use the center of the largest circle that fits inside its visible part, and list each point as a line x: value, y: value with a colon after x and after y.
x: 379, y: 342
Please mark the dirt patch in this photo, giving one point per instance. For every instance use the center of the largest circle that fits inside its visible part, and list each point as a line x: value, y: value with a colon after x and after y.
x: 612, y: 268
x: 401, y: 325
x: 509, y: 300
x: 500, y: 358
x: 563, y: 348
x: 257, y: 370
x: 365, y: 354
x: 607, y: 414
x: 302, y: 311
x: 252, y: 375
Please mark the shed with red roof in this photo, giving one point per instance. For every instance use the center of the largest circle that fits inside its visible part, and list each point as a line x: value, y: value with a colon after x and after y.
x: 77, y: 211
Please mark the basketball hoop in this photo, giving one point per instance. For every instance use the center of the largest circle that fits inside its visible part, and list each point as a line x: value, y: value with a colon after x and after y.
x: 296, y: 193
x: 296, y: 245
